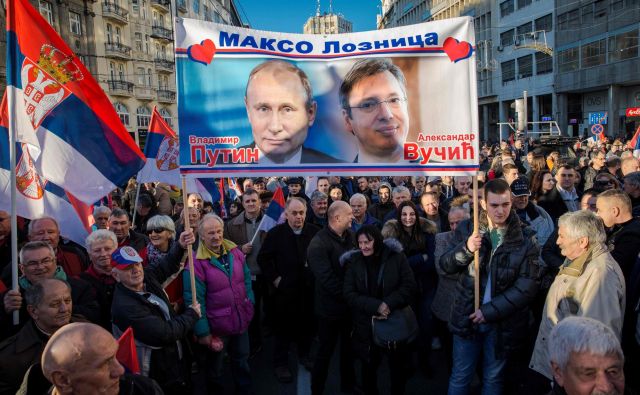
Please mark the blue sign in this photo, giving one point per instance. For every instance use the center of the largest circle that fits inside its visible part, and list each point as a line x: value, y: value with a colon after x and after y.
x: 546, y: 119
x: 598, y: 117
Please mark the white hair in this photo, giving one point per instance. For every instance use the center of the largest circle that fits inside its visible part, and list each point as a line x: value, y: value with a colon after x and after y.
x: 101, y: 210
x: 100, y: 235
x: 35, y: 245
x: 162, y: 221
x: 400, y: 189
x: 358, y: 196
x: 205, y: 218
x: 583, y: 224
x: 33, y: 223
x: 581, y: 334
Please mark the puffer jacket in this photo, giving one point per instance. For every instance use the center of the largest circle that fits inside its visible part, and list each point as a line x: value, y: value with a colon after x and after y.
x: 515, y: 280
x: 398, y: 289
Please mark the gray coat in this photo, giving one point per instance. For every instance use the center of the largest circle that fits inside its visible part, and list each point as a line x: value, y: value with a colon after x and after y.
x: 443, y: 300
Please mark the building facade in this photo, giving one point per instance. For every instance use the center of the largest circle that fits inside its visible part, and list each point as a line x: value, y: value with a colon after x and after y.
x: 127, y: 45
x: 327, y: 23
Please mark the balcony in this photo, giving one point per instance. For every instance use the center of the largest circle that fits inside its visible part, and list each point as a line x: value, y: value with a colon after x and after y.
x: 117, y: 50
x: 161, y: 33
x: 115, y: 12
x: 166, y: 96
x: 164, y: 5
x: 164, y: 64
x: 144, y: 92
x: 120, y: 88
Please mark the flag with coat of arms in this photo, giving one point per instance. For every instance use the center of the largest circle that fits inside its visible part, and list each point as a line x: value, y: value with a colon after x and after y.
x: 77, y: 139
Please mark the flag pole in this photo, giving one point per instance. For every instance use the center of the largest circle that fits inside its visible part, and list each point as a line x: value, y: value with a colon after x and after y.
x: 476, y: 254
x: 257, y: 229
x: 135, y: 206
x: 187, y: 225
x: 13, y: 137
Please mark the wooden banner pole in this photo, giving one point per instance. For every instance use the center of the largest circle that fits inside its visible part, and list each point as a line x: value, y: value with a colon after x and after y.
x: 476, y: 254
x: 187, y: 225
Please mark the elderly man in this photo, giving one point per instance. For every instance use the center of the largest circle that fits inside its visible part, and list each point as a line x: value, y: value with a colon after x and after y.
x: 374, y: 108
x: 49, y: 305
x: 120, y: 225
x: 241, y: 230
x: 101, y: 216
x: 37, y: 263
x: 283, y: 259
x: 585, y: 358
x: 530, y: 213
x: 589, y: 284
x: 281, y: 109
x: 361, y: 217
x: 69, y: 255
x: 509, y: 281
x: 632, y: 188
x: 462, y: 187
x: 430, y: 204
x: 629, y: 165
x: 139, y: 302
x: 334, y: 321
x: 398, y: 195
x: 318, y: 213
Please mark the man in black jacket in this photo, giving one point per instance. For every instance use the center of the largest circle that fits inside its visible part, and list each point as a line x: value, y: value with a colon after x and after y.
x: 140, y: 302
x: 334, y: 321
x: 509, y: 281
x: 283, y: 260
x: 120, y: 224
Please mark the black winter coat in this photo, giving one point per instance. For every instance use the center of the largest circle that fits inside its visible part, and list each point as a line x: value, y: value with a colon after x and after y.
x: 398, y: 290
x: 130, y: 309
x: 515, y: 281
x: 323, y: 256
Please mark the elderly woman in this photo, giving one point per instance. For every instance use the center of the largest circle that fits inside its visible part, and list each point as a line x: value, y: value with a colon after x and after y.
x: 378, y: 281
x: 590, y: 283
x: 223, y: 289
x: 162, y: 234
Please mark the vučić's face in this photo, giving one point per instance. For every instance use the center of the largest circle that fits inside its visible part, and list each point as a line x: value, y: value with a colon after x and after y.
x: 277, y: 109
x: 382, y: 128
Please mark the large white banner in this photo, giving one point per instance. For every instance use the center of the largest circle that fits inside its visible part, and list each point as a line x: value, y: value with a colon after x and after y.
x: 396, y: 101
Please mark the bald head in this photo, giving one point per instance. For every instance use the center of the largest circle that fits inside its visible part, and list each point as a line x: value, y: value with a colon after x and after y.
x: 340, y: 216
x: 80, y: 358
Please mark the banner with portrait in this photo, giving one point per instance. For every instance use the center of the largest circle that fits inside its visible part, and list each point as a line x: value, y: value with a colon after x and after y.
x: 396, y: 101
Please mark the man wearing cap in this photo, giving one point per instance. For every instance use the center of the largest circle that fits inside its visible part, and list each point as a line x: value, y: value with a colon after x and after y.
x: 140, y: 302
x: 295, y: 188
x: 530, y: 213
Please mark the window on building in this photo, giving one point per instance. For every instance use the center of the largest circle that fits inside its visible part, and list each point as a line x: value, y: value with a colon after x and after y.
x: 118, y: 35
x: 623, y: 46
x: 544, y: 63
x: 544, y: 23
x: 617, y: 5
x: 587, y: 13
x: 506, y: 38
x: 488, y: 25
x: 524, y: 29
x: 143, y: 116
x: 140, y: 74
x: 146, y: 43
x: 525, y: 66
x: 75, y: 23
x: 135, y: 6
x: 121, y: 72
x: 112, y: 70
x: 524, y: 3
x: 163, y: 82
x: 149, y: 78
x: 207, y: 15
x: 182, y: 4
x: 123, y: 113
x: 46, y: 10
x: 138, y: 41
x: 599, y: 8
x: 109, y: 32
x: 594, y: 54
x: 143, y: 14
x: 508, y: 70
x: 569, y: 20
x: 568, y: 60
x: 506, y: 8
x: 166, y: 115
x: 196, y: 6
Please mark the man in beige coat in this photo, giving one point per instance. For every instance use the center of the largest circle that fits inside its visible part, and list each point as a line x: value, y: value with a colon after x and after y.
x: 589, y: 284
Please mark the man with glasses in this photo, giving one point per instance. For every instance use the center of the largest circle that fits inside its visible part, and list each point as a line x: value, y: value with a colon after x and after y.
x: 597, y: 165
x: 37, y: 263
x: 373, y: 96
x: 281, y: 109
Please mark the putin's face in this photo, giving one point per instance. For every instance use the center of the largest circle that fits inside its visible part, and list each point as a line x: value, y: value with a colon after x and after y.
x: 277, y: 107
x: 379, y: 117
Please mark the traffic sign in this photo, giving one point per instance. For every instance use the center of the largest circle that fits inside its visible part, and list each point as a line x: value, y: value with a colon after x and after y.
x: 597, y: 129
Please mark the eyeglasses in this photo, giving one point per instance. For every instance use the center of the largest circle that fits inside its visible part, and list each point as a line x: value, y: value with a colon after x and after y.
x: 371, y: 106
x: 155, y: 230
x: 44, y: 262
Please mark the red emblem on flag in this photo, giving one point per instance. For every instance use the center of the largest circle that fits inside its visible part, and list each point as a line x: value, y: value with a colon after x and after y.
x: 28, y: 181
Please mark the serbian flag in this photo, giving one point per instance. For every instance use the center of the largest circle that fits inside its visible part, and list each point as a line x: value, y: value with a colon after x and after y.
x: 36, y: 196
x: 127, y: 354
x: 57, y: 107
x: 161, y: 151
x: 273, y: 215
x: 634, y: 143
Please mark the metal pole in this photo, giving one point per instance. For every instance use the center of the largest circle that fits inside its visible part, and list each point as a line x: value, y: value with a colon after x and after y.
x: 476, y: 254
x: 526, y: 116
x: 135, y: 205
x: 14, y: 211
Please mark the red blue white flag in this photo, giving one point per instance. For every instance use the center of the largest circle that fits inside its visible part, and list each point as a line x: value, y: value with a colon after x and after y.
x: 56, y: 106
x: 161, y: 151
x: 36, y: 196
x: 127, y: 353
x: 274, y: 214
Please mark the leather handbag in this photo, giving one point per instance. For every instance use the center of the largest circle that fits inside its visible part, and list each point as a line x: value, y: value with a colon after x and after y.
x: 399, y: 328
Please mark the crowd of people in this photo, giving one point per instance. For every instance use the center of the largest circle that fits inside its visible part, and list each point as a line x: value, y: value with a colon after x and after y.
x: 559, y: 283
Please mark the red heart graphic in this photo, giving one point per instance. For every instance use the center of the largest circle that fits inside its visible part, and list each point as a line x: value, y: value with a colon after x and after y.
x: 457, y: 50
x: 203, y: 52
